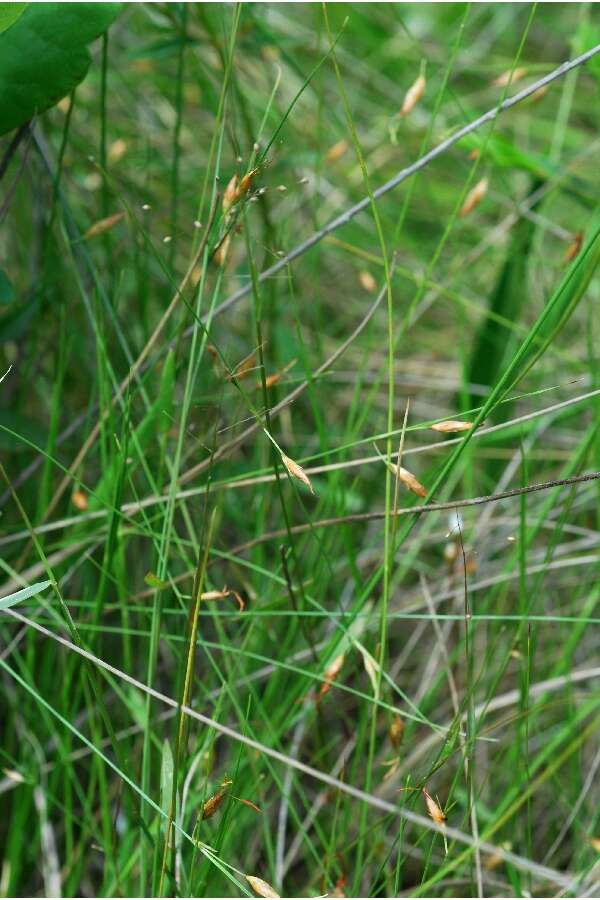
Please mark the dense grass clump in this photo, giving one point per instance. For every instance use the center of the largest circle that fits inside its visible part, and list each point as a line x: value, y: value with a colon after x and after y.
x: 268, y: 643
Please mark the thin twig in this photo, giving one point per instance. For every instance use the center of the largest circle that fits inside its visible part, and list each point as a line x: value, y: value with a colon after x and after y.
x: 416, y: 510
x: 526, y: 865
x: 405, y: 173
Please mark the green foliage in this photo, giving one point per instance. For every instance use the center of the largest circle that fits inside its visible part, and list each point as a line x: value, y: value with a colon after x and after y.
x: 43, y: 55
x: 9, y: 13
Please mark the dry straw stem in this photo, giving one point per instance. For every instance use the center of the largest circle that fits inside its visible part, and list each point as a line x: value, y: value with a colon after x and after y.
x: 540, y: 871
x: 261, y: 887
x: 413, y: 95
x: 415, y: 510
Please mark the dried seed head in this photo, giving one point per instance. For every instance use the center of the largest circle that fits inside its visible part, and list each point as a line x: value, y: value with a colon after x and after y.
x: 273, y: 379
x: 222, y: 251
x: 510, y: 77
x: 64, y: 105
x: 413, y: 95
x: 243, y: 369
x: 331, y: 673
x: 450, y: 552
x: 296, y: 471
x: 434, y: 809
x: 337, y: 151
x: 396, y: 731
x: 80, y: 500
x: 367, y: 281
x: 539, y: 94
x: 103, y: 225
x: 224, y: 595
x: 246, y: 183
x: 117, y: 150
x: 213, y: 803
x: 260, y: 887
x: 496, y: 859
x: 474, y: 154
x: 409, y: 481
x: 231, y: 194
x: 452, y: 426
x: 406, y: 477
x: 474, y: 197
x: 574, y: 247
x: 595, y: 842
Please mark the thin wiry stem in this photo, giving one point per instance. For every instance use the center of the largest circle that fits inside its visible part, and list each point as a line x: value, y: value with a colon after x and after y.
x: 405, y: 173
x: 543, y: 872
x: 418, y: 510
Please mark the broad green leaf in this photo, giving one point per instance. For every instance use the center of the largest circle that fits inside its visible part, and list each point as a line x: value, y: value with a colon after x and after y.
x: 9, y: 13
x: 7, y: 291
x: 44, y: 55
x: 24, y: 594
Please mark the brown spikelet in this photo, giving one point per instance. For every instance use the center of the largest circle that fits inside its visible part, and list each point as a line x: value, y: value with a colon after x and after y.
x: 103, y: 225
x: 231, y: 194
x: 337, y: 151
x: 451, y: 426
x: 296, y: 471
x: 340, y: 884
x: 64, y: 105
x: 243, y: 369
x: 574, y: 247
x: 510, y: 77
x: 413, y: 95
x: 496, y: 859
x: 246, y: 183
x: 80, y: 500
x: 224, y: 595
x: 406, y: 477
x: 474, y: 154
x: 409, y: 481
x: 249, y: 803
x: 595, y: 842
x: 260, y: 887
x: 474, y: 197
x: 213, y: 803
x: 331, y: 673
x: 367, y: 282
x: 539, y: 94
x: 117, y: 150
x: 434, y: 809
x: 276, y: 377
x: 396, y: 731
x: 222, y: 251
